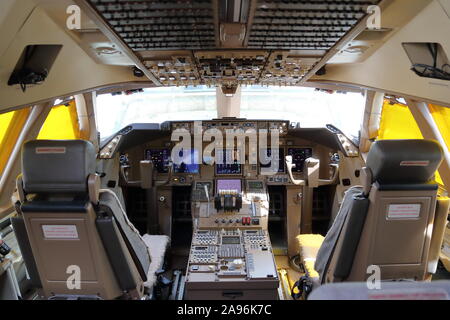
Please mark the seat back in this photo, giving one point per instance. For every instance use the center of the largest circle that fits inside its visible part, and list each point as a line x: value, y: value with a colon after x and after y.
x: 390, y: 223
x: 77, y: 246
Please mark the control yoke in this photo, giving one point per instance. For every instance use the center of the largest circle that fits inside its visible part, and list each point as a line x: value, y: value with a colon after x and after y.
x: 147, y: 171
x: 289, y: 166
x: 312, y: 169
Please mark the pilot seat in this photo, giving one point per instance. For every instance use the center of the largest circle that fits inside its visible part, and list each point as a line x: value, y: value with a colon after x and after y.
x: 75, y: 238
x: 391, y: 224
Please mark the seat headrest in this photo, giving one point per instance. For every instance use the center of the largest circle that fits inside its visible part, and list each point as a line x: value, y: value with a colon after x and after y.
x: 57, y: 166
x: 404, y: 161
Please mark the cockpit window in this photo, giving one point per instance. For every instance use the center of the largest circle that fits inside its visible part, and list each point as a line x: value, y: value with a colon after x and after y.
x: 154, y: 105
x: 305, y: 106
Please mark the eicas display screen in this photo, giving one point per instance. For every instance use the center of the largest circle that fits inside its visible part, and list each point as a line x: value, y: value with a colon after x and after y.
x: 160, y: 159
x: 188, y: 162
x: 230, y: 163
x: 228, y: 184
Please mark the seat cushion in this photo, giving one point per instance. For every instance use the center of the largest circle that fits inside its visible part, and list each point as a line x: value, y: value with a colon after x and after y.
x: 157, y: 246
x: 308, y: 246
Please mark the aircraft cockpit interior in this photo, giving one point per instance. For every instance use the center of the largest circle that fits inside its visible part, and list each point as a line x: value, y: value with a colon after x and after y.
x: 227, y: 218
x: 235, y: 150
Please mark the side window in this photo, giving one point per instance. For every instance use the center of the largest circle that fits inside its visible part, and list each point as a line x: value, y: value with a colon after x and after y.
x: 11, y: 124
x: 61, y: 123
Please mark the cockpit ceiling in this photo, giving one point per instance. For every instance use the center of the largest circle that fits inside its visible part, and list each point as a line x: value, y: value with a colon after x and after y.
x: 231, y: 42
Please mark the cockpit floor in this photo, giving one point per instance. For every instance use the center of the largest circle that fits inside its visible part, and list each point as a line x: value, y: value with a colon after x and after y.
x: 282, y: 262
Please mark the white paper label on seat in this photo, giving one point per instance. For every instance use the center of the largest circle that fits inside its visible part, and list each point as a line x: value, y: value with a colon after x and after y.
x: 404, y: 211
x: 54, y: 231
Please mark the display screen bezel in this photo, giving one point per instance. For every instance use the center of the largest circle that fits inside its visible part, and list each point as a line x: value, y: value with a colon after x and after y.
x: 217, y: 166
x: 148, y: 156
x: 281, y: 165
x: 195, y: 166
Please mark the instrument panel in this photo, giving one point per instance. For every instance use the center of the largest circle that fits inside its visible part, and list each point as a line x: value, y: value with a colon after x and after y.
x: 229, y: 166
x: 186, y: 171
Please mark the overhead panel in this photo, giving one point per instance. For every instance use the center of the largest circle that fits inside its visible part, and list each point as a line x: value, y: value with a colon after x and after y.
x: 160, y: 25
x: 305, y: 25
x: 231, y: 42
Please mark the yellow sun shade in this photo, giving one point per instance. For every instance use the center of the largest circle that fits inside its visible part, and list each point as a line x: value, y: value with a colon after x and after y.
x: 11, y: 124
x: 61, y: 123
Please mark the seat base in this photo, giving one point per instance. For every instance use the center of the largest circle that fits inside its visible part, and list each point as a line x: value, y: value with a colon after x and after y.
x: 308, y: 247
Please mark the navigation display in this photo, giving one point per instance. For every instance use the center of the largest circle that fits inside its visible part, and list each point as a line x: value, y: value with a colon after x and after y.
x: 188, y: 163
x: 230, y: 163
x: 159, y: 157
x: 299, y: 155
x: 267, y: 167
